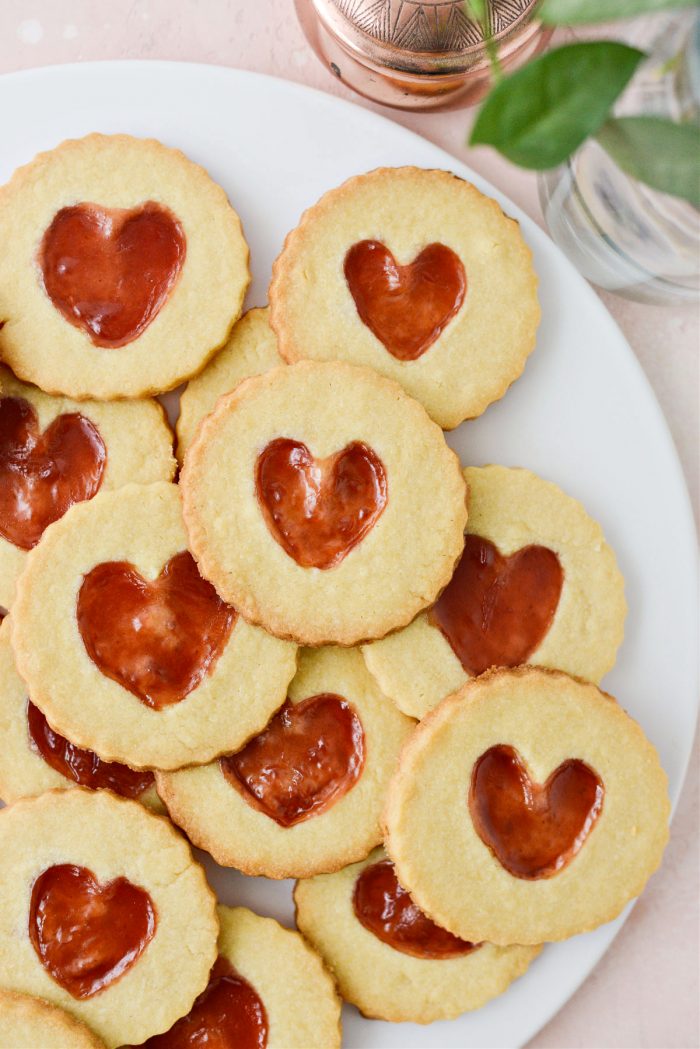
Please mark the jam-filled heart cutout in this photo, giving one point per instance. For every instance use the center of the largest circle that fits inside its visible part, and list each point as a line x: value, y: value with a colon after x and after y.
x: 308, y: 757
x: 496, y: 610
x: 384, y: 907
x: 319, y: 509
x: 82, y: 766
x: 228, y: 1014
x: 158, y: 638
x: 43, y: 474
x: 109, y: 271
x: 533, y: 829
x: 87, y: 934
x: 406, y: 307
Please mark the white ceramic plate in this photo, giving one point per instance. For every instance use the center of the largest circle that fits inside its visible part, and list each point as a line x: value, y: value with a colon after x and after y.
x: 582, y: 415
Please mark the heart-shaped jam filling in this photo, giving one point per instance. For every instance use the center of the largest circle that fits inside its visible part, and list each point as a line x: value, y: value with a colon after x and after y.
x: 384, y: 907
x: 159, y: 638
x: 318, y: 510
x: 534, y: 830
x: 82, y: 766
x: 496, y: 610
x: 43, y: 474
x: 228, y: 1014
x: 85, y: 934
x: 406, y: 307
x: 109, y: 271
x: 308, y: 757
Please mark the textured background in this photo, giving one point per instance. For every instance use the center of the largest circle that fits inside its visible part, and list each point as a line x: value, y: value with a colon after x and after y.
x: 644, y: 994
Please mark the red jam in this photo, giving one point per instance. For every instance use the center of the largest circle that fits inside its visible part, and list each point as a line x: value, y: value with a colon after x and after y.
x: 43, y: 474
x: 159, y: 638
x: 496, y: 610
x: 109, y: 271
x: 534, y: 830
x: 229, y: 1014
x: 307, y: 758
x: 318, y: 510
x: 88, y: 934
x: 384, y: 907
x: 406, y: 307
x: 82, y: 766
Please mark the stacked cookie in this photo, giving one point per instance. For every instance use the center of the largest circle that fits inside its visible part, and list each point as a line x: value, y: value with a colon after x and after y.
x: 329, y: 652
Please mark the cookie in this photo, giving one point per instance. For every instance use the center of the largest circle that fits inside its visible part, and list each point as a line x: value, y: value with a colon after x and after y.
x: 307, y: 794
x: 416, y: 274
x: 104, y: 912
x: 123, y: 271
x: 323, y: 503
x: 536, y: 583
x: 389, y: 959
x: 251, y: 350
x: 32, y: 1023
x: 267, y: 990
x: 34, y: 758
x: 527, y: 807
x: 127, y: 651
x: 55, y: 452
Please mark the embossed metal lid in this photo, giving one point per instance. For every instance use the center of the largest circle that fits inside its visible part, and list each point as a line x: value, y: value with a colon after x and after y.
x: 411, y: 34
x: 419, y: 54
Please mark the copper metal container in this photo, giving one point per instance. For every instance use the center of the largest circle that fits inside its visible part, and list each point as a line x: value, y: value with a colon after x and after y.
x: 418, y: 54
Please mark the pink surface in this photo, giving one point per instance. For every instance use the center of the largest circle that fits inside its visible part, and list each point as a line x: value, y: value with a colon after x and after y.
x: 644, y: 994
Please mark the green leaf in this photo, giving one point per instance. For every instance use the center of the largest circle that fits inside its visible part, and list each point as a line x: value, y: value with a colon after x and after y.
x: 476, y: 9
x: 582, y: 12
x: 539, y: 115
x: 658, y: 152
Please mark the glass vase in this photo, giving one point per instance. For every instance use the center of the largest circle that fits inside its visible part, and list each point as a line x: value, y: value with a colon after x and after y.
x: 619, y: 233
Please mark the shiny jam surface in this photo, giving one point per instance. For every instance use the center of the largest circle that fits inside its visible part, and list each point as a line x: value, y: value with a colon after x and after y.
x: 109, y: 271
x: 318, y: 510
x: 384, y: 907
x: 308, y: 757
x: 85, y: 934
x: 43, y: 474
x: 496, y: 610
x: 534, y: 830
x: 82, y: 766
x: 406, y: 307
x: 159, y: 638
x: 229, y: 1014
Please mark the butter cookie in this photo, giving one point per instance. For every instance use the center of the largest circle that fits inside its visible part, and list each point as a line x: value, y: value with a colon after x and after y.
x: 267, y: 990
x: 527, y: 807
x: 127, y: 650
x: 34, y: 758
x: 307, y: 794
x: 416, y: 274
x: 124, y: 267
x: 104, y: 912
x: 32, y: 1023
x: 251, y: 350
x: 536, y: 583
x: 323, y: 503
x: 389, y: 959
x: 55, y: 452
